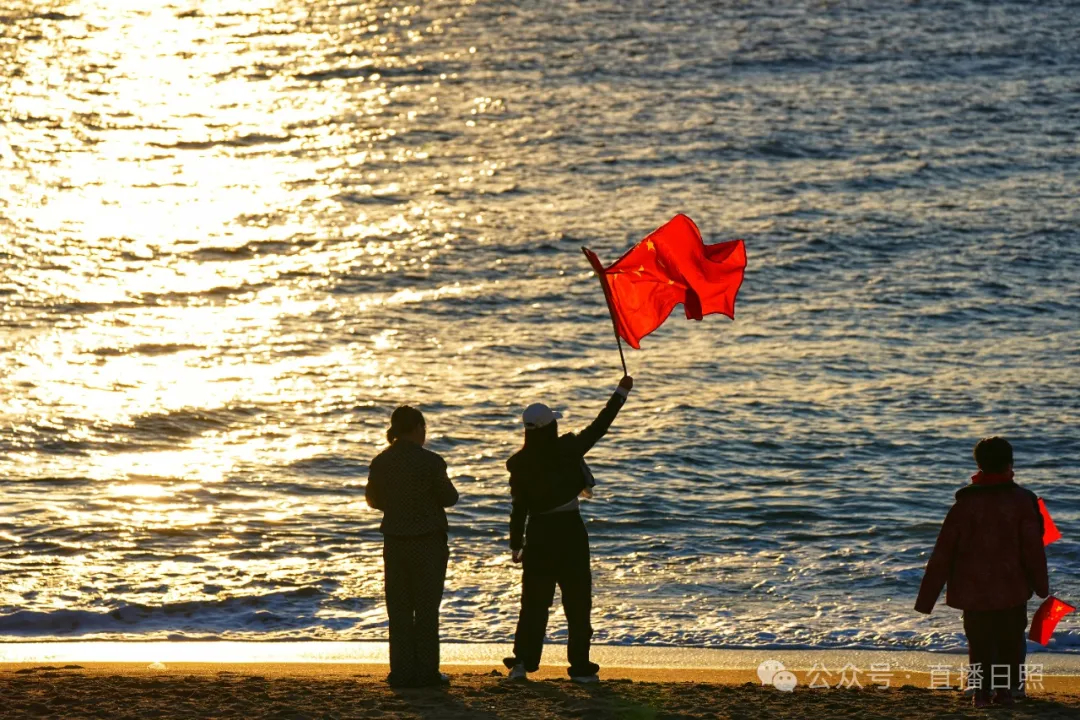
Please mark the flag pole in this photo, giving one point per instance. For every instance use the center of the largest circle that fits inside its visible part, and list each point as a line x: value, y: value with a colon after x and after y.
x: 611, y: 312
x: 619, y: 343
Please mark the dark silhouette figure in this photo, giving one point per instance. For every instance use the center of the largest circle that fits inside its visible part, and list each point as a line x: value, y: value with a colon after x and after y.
x: 990, y: 555
x: 548, y: 535
x: 409, y: 484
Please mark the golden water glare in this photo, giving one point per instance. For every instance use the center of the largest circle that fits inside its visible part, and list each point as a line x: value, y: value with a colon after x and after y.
x: 181, y: 162
x: 129, y: 196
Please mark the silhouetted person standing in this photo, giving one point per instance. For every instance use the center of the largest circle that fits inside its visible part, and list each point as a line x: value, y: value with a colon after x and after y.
x: 409, y: 484
x: 990, y: 559
x: 546, y: 477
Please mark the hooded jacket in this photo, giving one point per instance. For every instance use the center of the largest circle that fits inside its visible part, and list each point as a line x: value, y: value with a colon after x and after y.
x: 541, y: 484
x: 989, y: 553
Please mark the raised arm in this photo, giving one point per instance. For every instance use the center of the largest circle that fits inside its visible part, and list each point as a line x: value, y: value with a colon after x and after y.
x: 940, y: 564
x: 599, y: 427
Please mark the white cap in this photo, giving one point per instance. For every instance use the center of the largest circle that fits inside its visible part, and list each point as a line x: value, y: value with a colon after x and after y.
x: 538, y: 415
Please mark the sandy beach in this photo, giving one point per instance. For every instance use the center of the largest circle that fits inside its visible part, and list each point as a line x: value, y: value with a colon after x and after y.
x: 342, y: 690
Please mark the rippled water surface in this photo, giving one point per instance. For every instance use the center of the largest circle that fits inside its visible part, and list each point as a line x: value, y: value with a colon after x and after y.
x: 236, y: 234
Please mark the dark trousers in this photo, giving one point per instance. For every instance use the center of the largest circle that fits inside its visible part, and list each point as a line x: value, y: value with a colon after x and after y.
x: 415, y: 572
x: 995, y: 644
x: 1023, y: 652
x: 556, y: 553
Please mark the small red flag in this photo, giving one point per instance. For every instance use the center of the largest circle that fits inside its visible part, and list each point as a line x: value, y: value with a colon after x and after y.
x: 1050, y: 531
x: 671, y: 265
x: 1046, y: 619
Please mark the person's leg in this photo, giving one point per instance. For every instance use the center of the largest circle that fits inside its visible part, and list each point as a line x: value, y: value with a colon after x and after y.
x: 399, y: 610
x: 999, y: 676
x: 430, y: 557
x: 979, y: 631
x: 1011, y: 645
x: 1019, y: 690
x: 537, y: 594
x: 575, y: 583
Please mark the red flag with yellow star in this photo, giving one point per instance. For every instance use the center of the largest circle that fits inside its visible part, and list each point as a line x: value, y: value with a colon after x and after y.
x: 1046, y: 619
x: 671, y: 265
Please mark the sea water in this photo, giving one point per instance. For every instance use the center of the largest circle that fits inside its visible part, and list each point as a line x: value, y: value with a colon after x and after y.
x: 235, y: 235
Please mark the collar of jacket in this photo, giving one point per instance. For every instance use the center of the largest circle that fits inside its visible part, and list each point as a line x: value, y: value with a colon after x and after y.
x: 974, y: 489
x: 985, y: 478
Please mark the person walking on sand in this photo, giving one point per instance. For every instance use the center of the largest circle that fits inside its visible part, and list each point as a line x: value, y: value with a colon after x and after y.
x: 990, y: 556
x: 548, y: 536
x: 409, y: 484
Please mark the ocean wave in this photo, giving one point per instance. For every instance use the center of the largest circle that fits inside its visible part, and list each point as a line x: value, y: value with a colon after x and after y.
x: 166, y: 428
x: 247, y: 140
x: 290, y: 611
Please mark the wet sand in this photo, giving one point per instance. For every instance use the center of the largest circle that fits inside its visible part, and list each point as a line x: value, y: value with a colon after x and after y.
x: 345, y: 690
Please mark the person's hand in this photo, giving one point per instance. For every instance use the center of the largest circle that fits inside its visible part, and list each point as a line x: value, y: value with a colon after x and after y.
x: 627, y: 382
x: 517, y: 555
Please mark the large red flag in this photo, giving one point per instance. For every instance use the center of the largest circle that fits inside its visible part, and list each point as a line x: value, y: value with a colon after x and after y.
x: 1050, y: 531
x: 671, y: 265
x: 1046, y: 619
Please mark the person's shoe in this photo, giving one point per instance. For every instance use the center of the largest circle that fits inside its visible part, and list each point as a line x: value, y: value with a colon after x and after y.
x: 1004, y: 697
x: 585, y: 679
x: 518, y: 673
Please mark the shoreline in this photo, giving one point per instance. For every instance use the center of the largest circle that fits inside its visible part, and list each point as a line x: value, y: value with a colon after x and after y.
x: 376, y: 673
x: 369, y: 660
x: 483, y: 654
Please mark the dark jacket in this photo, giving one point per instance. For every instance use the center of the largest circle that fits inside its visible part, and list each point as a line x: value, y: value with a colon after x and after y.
x: 989, y: 552
x: 538, y: 485
x: 409, y: 484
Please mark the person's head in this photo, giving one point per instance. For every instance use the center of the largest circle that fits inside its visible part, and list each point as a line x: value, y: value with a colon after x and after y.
x: 407, y: 423
x: 994, y: 455
x: 541, y: 425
